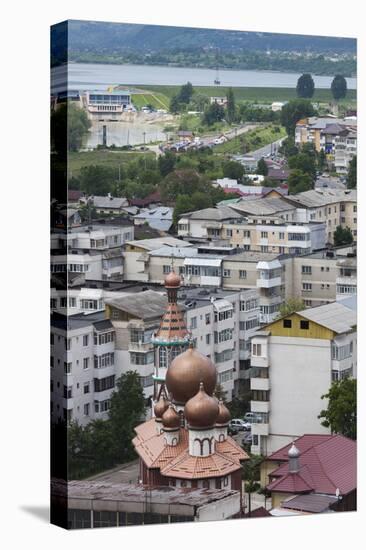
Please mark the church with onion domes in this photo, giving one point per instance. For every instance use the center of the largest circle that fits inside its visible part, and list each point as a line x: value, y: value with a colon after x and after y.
x: 186, y: 442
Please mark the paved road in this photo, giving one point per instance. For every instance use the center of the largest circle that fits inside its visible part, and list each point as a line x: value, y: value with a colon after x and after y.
x: 124, y: 473
x: 331, y: 183
x: 266, y: 150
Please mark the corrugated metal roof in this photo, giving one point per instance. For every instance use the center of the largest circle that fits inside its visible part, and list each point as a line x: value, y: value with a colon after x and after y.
x: 334, y: 316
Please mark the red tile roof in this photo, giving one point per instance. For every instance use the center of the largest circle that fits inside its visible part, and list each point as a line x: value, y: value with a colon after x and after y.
x: 327, y: 462
x: 175, y: 461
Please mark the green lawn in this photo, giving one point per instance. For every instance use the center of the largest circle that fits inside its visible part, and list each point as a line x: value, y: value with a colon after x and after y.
x: 106, y: 158
x: 156, y: 99
x: 260, y: 95
x: 254, y: 139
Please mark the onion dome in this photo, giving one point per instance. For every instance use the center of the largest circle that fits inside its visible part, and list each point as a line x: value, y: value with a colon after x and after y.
x: 171, y: 419
x: 293, y: 452
x: 201, y: 411
x: 172, y: 280
x: 185, y: 373
x: 160, y: 407
x: 224, y: 414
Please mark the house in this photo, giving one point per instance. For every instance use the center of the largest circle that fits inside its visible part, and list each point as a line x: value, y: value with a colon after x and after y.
x: 314, y: 474
x: 294, y: 361
x: 108, y: 204
x: 152, y: 200
x: 160, y: 218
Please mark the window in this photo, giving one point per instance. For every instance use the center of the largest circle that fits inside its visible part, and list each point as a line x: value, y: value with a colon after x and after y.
x: 260, y: 395
x: 257, y: 350
x: 166, y: 269
x: 63, y: 301
x: 226, y: 273
x: 102, y: 406
x: 52, y: 361
x: 264, y: 248
x: 142, y: 358
x: 103, y: 338
x: 67, y: 392
x: 281, y: 236
x: 53, y: 303
x: 72, y: 302
x: 306, y: 269
x: 67, y: 368
x: 252, y: 323
x: 246, y: 234
x: 255, y: 440
x: 225, y: 355
x: 208, y: 338
x: 264, y: 234
x: 104, y: 360
x: 103, y: 384
x: 242, y: 274
x: 86, y: 409
x: 67, y: 344
x: 86, y: 363
x: 88, y: 304
x: 86, y: 387
x: 225, y: 376
x: 208, y: 318
x: 307, y: 286
x: 304, y: 325
x: 229, y: 232
x: 52, y: 338
x: 193, y: 322
x: 85, y: 339
x: 287, y: 323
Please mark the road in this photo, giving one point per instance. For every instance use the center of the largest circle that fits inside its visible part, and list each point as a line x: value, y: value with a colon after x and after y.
x: 124, y: 473
x: 266, y: 150
x: 330, y: 183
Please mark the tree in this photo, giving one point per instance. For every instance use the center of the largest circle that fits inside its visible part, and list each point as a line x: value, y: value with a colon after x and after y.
x: 305, y: 86
x: 288, y: 147
x: 233, y: 170
x: 251, y: 475
x: 262, y: 167
x: 303, y: 162
x: 175, y: 105
x: 126, y: 411
x: 339, y: 87
x: 220, y: 393
x: 183, y: 182
x: 322, y: 160
x: 230, y: 106
x: 341, y: 413
x: 166, y: 163
x: 183, y: 204
x: 185, y: 93
x: 342, y: 236
x: 290, y: 306
x: 69, y: 124
x: 298, y: 182
x: 214, y: 113
x: 97, y: 179
x: 293, y: 111
x: 352, y: 173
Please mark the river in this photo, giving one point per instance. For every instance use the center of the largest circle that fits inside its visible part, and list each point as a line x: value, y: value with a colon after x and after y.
x: 95, y: 76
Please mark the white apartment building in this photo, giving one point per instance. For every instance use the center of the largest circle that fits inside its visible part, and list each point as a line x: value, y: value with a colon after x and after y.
x: 294, y: 361
x: 83, y: 367
x: 345, y: 148
x: 94, y: 251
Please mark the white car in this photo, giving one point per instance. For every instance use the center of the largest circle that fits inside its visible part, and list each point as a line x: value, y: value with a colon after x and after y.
x: 240, y: 425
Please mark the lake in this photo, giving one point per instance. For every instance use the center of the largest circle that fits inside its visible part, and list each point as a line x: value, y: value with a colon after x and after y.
x: 89, y: 76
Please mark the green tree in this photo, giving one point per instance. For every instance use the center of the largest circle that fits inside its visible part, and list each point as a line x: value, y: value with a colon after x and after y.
x: 341, y: 413
x: 352, y: 173
x: 339, y: 87
x: 303, y: 162
x: 251, y: 475
x: 183, y: 204
x: 230, y: 106
x: 290, y: 306
x: 69, y: 125
x: 201, y: 200
x: 322, y: 160
x: 305, y: 86
x: 97, y: 179
x: 185, y: 93
x: 232, y: 169
x: 166, y: 163
x: 298, y: 182
x: 293, y: 111
x: 214, y: 113
x: 262, y: 167
x: 182, y: 182
x: 342, y: 236
x: 288, y: 147
x: 175, y: 105
x: 126, y: 412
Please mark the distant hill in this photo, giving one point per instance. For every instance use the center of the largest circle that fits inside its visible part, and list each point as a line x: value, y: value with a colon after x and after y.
x: 124, y: 42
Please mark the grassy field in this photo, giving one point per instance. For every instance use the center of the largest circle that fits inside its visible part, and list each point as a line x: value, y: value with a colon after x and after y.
x: 254, y: 139
x: 157, y: 100
x: 106, y: 158
x: 260, y: 95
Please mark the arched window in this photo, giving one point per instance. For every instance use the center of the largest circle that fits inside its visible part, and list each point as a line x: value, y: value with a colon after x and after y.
x: 163, y: 357
x: 221, y: 437
x: 174, y: 441
x: 206, y: 484
x: 206, y: 446
x: 197, y: 447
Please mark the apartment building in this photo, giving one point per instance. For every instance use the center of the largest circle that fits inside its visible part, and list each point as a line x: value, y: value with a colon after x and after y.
x: 345, y: 148
x: 83, y: 367
x: 294, y: 361
x: 322, y: 131
x: 323, y: 276
x: 94, y: 251
x: 330, y: 206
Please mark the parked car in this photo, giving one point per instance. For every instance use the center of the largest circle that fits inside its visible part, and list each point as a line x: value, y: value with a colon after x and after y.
x: 251, y: 417
x: 239, y: 424
x: 247, y: 440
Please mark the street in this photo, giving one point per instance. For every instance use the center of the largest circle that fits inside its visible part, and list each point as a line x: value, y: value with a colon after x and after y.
x: 266, y: 150
x: 124, y: 473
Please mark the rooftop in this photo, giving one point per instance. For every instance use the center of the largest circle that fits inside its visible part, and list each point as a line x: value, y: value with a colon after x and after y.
x: 148, y: 304
x: 159, y: 242
x: 335, y: 316
x: 263, y: 206
x: 311, y: 503
x: 215, y: 214
x: 321, y: 197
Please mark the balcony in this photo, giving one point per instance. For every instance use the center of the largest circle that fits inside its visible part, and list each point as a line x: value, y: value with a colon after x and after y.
x: 260, y: 406
x: 269, y: 283
x: 140, y: 346
x: 259, y: 361
x: 259, y: 384
x: 260, y: 429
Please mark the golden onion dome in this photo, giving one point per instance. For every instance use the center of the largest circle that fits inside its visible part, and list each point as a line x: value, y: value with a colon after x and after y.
x: 224, y: 414
x: 171, y: 418
x: 202, y: 410
x: 172, y: 280
x: 160, y: 407
x: 185, y: 373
